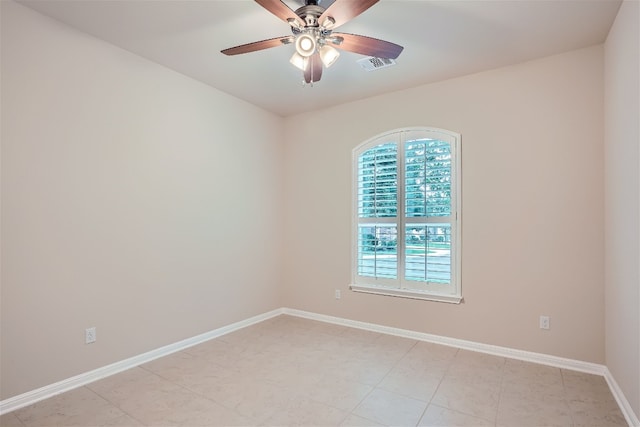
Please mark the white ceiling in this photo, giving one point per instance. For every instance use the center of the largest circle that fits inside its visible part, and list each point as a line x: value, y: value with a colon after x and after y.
x: 442, y: 39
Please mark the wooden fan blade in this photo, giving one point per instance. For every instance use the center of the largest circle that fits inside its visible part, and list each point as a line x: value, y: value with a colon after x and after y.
x: 281, y: 10
x: 264, y: 44
x: 343, y: 11
x: 313, y: 72
x: 368, y: 46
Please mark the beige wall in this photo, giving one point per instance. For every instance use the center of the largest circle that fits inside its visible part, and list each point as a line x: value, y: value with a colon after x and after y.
x: 532, y: 205
x: 622, y: 201
x: 134, y: 199
x: 131, y: 195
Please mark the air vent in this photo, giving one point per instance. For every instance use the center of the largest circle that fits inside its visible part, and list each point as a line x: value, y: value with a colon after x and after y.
x: 373, y: 63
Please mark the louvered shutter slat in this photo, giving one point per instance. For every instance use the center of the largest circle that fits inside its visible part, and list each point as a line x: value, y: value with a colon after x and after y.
x: 378, y: 198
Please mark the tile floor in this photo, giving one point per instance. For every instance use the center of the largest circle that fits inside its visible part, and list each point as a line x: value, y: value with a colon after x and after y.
x: 292, y: 371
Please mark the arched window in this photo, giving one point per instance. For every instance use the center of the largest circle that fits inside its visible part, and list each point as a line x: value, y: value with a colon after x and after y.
x: 406, y: 215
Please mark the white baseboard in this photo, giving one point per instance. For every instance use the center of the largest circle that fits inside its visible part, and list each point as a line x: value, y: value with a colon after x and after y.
x: 544, y: 359
x: 623, y: 403
x: 31, y: 397
x: 527, y: 356
x: 45, y: 392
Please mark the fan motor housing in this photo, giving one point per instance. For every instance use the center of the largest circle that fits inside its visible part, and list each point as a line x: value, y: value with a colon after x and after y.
x: 310, y: 14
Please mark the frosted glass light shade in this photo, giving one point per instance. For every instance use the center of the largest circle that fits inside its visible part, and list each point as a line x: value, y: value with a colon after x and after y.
x: 328, y: 55
x: 305, y: 45
x: 299, y: 61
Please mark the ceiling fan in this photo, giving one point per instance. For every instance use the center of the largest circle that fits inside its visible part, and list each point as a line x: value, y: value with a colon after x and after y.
x: 312, y: 27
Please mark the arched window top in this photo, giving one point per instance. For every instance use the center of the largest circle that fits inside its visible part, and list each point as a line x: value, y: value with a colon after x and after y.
x: 410, y: 132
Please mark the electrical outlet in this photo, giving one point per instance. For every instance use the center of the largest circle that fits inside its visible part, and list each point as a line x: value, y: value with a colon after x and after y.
x: 544, y: 322
x: 337, y: 293
x: 90, y: 335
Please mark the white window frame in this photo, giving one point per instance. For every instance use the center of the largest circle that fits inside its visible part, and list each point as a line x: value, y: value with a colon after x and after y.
x: 451, y: 293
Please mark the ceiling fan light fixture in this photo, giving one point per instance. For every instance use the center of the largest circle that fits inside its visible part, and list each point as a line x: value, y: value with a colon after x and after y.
x: 306, y: 45
x: 328, y: 23
x: 299, y: 61
x: 328, y: 55
x: 294, y: 23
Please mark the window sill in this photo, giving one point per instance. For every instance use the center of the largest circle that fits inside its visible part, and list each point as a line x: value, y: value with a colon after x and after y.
x: 405, y: 293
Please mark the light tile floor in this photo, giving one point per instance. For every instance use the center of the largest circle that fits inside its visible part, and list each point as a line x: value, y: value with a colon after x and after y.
x: 292, y: 371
